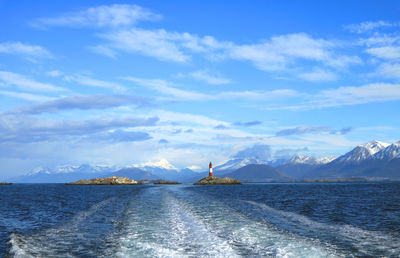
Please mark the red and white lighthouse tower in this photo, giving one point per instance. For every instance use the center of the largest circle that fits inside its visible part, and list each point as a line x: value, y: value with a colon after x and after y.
x: 210, y: 172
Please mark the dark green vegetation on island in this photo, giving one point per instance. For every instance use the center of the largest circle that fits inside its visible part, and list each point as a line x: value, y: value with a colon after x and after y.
x: 212, y: 180
x: 166, y: 182
x: 106, y: 181
x: 4, y: 183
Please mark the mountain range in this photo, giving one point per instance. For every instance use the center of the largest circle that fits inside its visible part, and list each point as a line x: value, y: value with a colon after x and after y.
x: 373, y: 160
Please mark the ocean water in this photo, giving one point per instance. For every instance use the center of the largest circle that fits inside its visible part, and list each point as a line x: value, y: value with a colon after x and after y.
x: 268, y: 220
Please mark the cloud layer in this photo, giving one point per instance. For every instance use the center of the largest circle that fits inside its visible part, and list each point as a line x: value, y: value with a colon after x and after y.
x: 100, y: 16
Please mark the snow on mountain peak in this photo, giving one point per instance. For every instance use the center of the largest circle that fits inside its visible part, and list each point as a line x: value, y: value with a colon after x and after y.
x: 390, y: 152
x: 374, y: 146
x: 39, y: 170
x: 62, y: 169
x: 304, y: 159
x: 239, y: 163
x: 363, y: 151
x: 163, y: 163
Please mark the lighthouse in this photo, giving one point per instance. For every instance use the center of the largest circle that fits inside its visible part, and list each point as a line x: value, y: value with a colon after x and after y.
x: 210, y: 173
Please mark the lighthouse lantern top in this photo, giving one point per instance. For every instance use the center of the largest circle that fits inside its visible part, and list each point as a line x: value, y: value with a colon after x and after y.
x: 210, y: 165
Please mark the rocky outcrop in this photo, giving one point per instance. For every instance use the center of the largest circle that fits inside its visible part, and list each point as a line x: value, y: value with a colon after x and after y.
x: 106, y: 181
x: 212, y: 180
x: 166, y: 182
x: 4, y: 183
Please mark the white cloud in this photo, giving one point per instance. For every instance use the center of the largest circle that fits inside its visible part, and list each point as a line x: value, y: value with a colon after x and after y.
x: 23, y: 82
x: 155, y: 43
x: 26, y: 96
x: 177, y: 94
x: 165, y: 87
x: 24, y: 128
x: 345, y: 96
x: 388, y: 52
x: 203, y: 75
x: 54, y: 73
x: 389, y: 70
x: 258, y: 95
x: 318, y: 75
x: 100, y: 16
x: 279, y: 53
x: 187, y: 118
x: 378, y: 92
x: 285, y: 51
x: 104, y: 50
x: 88, y: 81
x: 82, y: 103
x: 340, y: 62
x: 24, y: 49
x: 370, y: 26
x: 380, y: 39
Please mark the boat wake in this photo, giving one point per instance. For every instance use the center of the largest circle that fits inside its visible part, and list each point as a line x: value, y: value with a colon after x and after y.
x: 178, y: 222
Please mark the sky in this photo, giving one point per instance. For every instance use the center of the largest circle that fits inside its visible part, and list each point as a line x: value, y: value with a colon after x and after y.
x: 186, y: 82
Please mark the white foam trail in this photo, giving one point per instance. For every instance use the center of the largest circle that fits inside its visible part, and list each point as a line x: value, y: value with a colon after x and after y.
x: 168, y: 230
x: 246, y: 236
x: 364, y: 240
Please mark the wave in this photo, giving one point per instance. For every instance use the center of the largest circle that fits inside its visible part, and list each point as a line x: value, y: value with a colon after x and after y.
x: 79, y: 236
x: 177, y: 222
x: 364, y: 242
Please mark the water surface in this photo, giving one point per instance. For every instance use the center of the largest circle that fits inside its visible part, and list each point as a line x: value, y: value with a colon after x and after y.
x: 284, y: 220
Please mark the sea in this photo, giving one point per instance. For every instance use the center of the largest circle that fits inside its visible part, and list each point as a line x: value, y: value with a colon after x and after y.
x: 248, y: 220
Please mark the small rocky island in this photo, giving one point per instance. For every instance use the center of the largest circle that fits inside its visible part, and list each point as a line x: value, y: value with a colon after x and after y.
x: 212, y: 180
x: 165, y: 182
x: 4, y: 183
x: 106, y: 181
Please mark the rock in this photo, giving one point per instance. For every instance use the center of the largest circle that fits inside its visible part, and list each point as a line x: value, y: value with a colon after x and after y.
x: 212, y: 180
x: 4, y: 183
x: 106, y: 181
x: 165, y: 182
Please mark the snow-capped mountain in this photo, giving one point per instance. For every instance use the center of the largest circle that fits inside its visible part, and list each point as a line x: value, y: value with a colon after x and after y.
x: 298, y: 166
x: 373, y: 159
x: 84, y: 168
x: 390, y: 152
x: 362, y: 152
x: 305, y: 159
x: 64, y: 173
x: 67, y: 173
x: 163, y: 164
x: 237, y: 163
x: 165, y: 170
x: 39, y: 170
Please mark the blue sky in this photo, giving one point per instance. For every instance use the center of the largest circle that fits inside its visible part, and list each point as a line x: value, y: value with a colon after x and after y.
x: 135, y: 82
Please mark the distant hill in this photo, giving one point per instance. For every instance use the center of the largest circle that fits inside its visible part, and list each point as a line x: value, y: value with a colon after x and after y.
x: 258, y: 173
